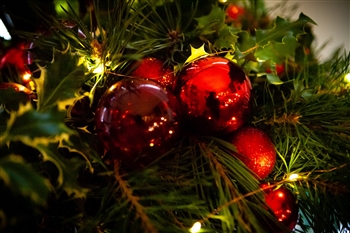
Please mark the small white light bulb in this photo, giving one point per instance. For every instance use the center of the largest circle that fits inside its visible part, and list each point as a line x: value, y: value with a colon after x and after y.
x: 196, y: 227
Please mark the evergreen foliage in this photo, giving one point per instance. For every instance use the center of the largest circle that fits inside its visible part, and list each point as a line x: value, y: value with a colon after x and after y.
x: 55, y: 176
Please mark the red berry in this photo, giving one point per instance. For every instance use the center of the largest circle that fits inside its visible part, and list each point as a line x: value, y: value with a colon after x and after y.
x: 256, y: 150
x: 234, y: 11
x: 278, y: 67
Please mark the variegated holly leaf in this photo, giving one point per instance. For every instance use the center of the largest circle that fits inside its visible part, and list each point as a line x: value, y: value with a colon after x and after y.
x: 68, y: 169
x: 11, y: 97
x: 196, y: 54
x: 87, y: 145
x: 32, y: 127
x: 21, y: 178
x: 61, y: 80
x: 282, y: 28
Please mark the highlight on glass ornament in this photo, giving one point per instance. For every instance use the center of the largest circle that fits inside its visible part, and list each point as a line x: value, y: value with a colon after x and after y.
x: 135, y: 121
x: 283, y: 204
x: 215, y: 91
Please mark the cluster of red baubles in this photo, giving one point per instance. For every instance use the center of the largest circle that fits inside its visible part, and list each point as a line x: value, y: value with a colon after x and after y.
x: 139, y: 118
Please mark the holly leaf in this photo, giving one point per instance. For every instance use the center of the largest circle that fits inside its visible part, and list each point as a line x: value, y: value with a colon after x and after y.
x: 11, y: 97
x: 274, y: 79
x: 61, y: 80
x: 196, y: 53
x: 213, y: 22
x: 21, y: 178
x: 227, y: 38
x: 32, y: 127
x: 282, y: 28
x: 87, y: 145
x: 277, y: 52
x: 246, y: 44
x: 68, y: 169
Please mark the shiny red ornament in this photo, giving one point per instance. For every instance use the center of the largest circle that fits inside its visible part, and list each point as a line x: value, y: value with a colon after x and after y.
x: 283, y: 204
x: 18, y: 57
x: 234, y: 12
x: 154, y: 69
x: 215, y: 92
x: 135, y: 121
x: 256, y: 150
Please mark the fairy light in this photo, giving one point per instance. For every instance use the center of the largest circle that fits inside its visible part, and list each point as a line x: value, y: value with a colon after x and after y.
x: 4, y: 33
x: 99, y: 69
x: 293, y: 177
x: 347, y: 78
x: 196, y: 227
x: 26, y: 76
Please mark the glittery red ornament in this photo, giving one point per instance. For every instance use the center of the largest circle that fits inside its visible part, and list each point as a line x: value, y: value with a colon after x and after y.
x: 255, y: 150
x: 134, y: 121
x: 214, y: 91
x: 154, y: 69
x: 283, y: 204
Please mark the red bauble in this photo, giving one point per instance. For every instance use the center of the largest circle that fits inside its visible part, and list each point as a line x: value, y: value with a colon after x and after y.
x: 256, y: 150
x: 216, y: 92
x: 18, y: 57
x: 283, y: 204
x: 135, y: 122
x: 154, y: 69
x: 234, y: 12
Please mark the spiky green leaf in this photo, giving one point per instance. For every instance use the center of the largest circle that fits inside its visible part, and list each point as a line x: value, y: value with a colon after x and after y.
x: 20, y: 177
x: 68, y: 169
x: 282, y: 28
x: 61, y: 80
x: 278, y: 52
x: 213, y: 22
x: 32, y: 126
x: 227, y: 38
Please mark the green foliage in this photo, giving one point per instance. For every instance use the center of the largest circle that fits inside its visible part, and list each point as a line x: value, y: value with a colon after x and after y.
x: 40, y: 125
x: 52, y: 160
x: 21, y: 178
x: 61, y: 80
x: 30, y: 125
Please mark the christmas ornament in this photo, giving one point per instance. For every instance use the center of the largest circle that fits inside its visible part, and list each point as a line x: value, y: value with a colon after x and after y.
x: 18, y: 57
x: 256, y: 150
x: 135, y: 122
x: 234, y: 12
x: 154, y: 69
x: 283, y: 204
x: 215, y: 92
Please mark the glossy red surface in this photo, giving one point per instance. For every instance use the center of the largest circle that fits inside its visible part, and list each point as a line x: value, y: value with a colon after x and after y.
x: 283, y: 204
x: 154, y: 69
x: 135, y: 122
x: 215, y: 91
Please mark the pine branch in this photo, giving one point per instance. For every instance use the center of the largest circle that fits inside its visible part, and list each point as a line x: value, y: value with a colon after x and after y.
x: 134, y: 201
